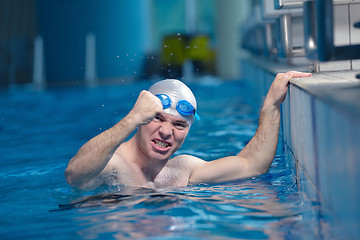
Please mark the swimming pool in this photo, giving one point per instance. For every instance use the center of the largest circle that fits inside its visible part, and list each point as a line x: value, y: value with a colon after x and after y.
x: 41, y: 131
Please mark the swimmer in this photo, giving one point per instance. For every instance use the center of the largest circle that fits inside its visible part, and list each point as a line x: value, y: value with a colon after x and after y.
x: 162, y: 117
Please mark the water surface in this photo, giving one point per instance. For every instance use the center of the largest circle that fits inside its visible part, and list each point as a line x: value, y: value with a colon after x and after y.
x: 41, y: 131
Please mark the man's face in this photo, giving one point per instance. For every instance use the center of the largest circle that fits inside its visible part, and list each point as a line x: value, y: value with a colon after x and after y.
x: 163, y: 136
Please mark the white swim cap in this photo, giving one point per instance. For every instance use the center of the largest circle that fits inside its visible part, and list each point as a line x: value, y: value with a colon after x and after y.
x: 176, y: 91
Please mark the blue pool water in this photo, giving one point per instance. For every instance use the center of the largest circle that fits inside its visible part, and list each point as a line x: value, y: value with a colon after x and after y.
x: 41, y: 131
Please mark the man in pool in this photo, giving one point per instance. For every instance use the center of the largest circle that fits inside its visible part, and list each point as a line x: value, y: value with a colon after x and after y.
x: 162, y: 118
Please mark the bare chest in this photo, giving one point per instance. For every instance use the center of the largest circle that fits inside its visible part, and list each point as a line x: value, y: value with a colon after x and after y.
x: 123, y: 174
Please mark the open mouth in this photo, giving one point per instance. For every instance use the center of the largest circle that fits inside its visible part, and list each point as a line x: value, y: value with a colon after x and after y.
x: 161, y: 144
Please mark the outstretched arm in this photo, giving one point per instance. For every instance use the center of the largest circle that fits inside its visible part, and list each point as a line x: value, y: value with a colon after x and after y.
x: 258, y: 154
x: 94, y: 155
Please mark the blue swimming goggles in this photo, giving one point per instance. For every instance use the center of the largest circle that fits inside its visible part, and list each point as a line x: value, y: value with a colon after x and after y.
x: 183, y: 106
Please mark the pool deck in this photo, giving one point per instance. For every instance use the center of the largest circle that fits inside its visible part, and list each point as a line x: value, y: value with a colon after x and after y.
x: 321, y: 134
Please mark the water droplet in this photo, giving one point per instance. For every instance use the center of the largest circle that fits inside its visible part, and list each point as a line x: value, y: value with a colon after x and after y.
x: 171, y: 54
x: 178, y: 34
x: 117, y: 56
x: 132, y: 59
x: 127, y: 55
x: 195, y: 46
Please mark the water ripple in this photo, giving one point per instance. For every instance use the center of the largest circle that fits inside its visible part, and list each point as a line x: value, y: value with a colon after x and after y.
x: 31, y: 171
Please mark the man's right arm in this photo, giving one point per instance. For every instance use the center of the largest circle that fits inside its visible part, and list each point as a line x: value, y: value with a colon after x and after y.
x: 94, y: 155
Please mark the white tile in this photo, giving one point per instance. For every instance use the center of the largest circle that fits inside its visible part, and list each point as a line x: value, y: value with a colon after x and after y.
x: 341, y: 25
x: 308, y: 141
x: 297, y: 31
x: 344, y: 167
x: 322, y: 117
x: 354, y: 17
x: 335, y: 65
x: 336, y: 2
x: 356, y: 64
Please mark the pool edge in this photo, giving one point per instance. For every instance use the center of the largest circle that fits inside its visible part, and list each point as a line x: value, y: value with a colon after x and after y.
x: 321, y: 134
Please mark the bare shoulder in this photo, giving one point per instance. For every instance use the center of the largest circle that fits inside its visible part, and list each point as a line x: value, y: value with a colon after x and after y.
x: 115, y: 172
x: 185, y: 161
x: 177, y: 171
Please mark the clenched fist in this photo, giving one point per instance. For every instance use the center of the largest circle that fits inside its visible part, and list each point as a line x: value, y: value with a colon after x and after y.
x: 147, y: 106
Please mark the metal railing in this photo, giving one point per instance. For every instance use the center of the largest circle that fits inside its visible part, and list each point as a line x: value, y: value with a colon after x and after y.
x: 318, y: 32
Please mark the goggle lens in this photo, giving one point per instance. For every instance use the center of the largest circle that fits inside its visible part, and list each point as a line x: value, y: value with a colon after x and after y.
x: 165, y: 100
x: 183, y: 106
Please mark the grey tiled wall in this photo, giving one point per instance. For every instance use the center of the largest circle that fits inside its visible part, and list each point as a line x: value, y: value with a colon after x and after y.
x: 321, y: 132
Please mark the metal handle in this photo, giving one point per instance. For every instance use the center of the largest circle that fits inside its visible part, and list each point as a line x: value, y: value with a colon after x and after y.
x: 287, y: 49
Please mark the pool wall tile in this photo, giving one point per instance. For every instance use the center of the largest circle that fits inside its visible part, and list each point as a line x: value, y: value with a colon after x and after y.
x: 321, y: 135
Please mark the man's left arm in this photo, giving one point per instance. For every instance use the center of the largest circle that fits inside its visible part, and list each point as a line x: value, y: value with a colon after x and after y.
x: 258, y: 154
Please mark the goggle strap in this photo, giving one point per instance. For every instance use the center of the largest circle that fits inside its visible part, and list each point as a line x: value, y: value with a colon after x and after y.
x: 197, y: 116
